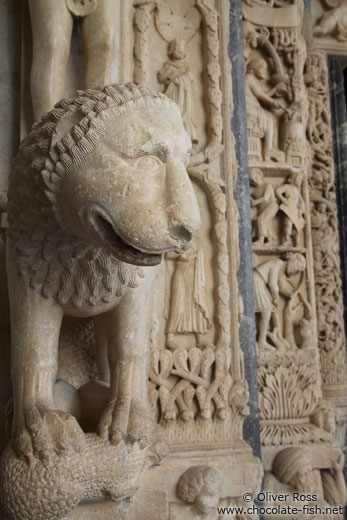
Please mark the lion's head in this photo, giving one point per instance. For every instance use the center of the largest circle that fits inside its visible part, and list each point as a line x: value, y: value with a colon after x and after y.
x: 108, y: 167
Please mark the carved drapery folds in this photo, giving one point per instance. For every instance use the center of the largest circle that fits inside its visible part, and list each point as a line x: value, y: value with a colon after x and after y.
x: 297, y: 289
x: 325, y: 241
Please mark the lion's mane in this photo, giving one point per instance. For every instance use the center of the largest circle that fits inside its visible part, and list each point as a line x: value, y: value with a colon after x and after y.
x: 53, y: 260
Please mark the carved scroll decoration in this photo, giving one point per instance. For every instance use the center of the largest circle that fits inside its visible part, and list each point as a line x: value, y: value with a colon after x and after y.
x: 325, y: 240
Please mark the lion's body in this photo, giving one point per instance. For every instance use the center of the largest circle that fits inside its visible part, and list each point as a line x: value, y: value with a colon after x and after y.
x: 91, y: 210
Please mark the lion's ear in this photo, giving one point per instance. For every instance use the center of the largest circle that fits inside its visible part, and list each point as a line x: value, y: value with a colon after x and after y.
x: 63, y: 127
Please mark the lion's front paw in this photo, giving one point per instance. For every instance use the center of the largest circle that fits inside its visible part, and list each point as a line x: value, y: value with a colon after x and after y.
x: 126, y: 419
x: 46, y: 431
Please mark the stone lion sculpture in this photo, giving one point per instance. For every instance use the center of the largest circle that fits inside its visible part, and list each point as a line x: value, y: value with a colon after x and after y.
x: 98, y: 193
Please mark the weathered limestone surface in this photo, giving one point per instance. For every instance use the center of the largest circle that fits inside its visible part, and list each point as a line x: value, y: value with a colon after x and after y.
x: 211, y: 329
x: 329, y: 21
x: 298, y: 306
x: 197, y: 385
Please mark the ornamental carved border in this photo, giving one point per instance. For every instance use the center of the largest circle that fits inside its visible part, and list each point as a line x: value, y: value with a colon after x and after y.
x: 144, y: 10
x: 325, y: 240
x: 199, y: 395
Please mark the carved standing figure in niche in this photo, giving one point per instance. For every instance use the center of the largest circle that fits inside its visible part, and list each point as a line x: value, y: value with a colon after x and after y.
x: 260, y: 120
x: 187, y: 311
x: 293, y: 207
x: 178, y: 84
x: 99, y: 192
x: 263, y: 200
x: 52, y: 24
x: 272, y: 279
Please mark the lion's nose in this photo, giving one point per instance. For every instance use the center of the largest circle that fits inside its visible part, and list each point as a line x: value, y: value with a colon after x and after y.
x: 183, y: 209
x: 180, y: 233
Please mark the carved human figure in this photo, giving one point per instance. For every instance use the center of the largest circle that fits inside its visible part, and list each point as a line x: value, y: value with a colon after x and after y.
x: 52, y: 24
x: 333, y: 23
x: 199, y: 490
x: 293, y: 207
x: 98, y: 193
x: 263, y: 200
x: 324, y: 416
x: 296, y: 469
x: 187, y: 306
x: 252, y: 39
x: 306, y: 333
x: 178, y: 84
x: 272, y: 279
x: 323, y: 225
x: 259, y: 103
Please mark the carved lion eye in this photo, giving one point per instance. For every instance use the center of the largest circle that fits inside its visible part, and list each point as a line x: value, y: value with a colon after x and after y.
x: 148, y: 162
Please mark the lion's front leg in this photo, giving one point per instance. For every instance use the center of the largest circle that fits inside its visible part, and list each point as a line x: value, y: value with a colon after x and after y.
x: 128, y: 415
x: 38, y: 428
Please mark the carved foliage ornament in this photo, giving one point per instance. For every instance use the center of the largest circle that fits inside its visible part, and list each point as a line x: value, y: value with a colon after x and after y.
x: 324, y: 227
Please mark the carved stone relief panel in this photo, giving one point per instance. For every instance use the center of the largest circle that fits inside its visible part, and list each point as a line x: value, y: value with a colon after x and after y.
x: 191, y: 368
x: 185, y: 65
x: 329, y: 22
x: 197, y: 387
x: 325, y: 241
x: 292, y: 411
x: 196, y: 383
x: 275, y: 94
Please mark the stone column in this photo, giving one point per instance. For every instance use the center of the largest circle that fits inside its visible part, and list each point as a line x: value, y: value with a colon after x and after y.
x: 242, y: 198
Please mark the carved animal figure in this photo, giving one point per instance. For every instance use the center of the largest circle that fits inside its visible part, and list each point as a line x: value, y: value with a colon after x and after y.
x: 98, y: 193
x: 333, y: 23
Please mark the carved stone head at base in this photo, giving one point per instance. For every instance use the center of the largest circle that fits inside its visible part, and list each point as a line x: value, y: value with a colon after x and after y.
x: 201, y: 486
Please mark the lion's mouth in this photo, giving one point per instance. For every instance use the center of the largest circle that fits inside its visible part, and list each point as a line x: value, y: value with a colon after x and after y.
x: 116, y: 245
